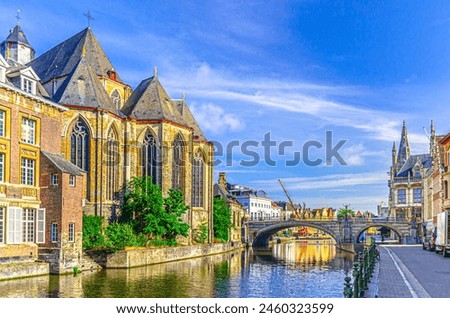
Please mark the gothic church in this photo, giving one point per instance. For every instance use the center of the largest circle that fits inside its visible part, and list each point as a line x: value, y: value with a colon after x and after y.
x: 109, y: 131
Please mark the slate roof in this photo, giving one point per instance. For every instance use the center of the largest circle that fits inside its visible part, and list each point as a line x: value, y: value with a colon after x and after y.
x: 17, y: 36
x: 407, y: 167
x: 186, y: 113
x: 222, y: 192
x: 93, y: 94
x: 62, y: 164
x: 150, y: 101
x: 61, y: 60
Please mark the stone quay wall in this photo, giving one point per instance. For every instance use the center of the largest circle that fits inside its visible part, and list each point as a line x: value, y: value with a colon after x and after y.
x: 150, y: 256
x: 23, y: 269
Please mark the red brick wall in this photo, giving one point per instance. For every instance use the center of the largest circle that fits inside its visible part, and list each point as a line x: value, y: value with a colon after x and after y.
x: 50, y: 199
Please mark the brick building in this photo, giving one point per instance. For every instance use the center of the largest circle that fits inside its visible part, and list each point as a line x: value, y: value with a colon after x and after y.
x: 29, y: 135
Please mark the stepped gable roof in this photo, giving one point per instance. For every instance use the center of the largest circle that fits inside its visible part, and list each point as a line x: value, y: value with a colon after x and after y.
x: 17, y: 36
x: 62, y: 164
x: 150, y: 101
x: 425, y: 159
x: 61, y: 59
x: 186, y: 113
x: 93, y: 94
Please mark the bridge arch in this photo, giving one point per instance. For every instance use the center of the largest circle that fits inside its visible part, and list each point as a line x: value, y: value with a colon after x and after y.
x: 397, y: 231
x: 262, y: 236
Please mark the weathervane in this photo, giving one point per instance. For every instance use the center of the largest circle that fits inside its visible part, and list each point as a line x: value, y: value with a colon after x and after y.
x: 89, y: 18
x: 18, y: 17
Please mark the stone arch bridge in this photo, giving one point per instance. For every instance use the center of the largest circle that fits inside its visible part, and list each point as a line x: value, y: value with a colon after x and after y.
x: 342, y: 231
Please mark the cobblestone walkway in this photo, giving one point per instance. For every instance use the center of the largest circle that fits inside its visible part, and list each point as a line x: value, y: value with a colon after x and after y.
x: 390, y: 282
x: 392, y: 279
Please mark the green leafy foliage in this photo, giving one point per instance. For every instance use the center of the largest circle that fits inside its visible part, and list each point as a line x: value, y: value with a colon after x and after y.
x: 343, y: 213
x: 172, y: 221
x: 143, y: 206
x: 151, y: 214
x: 121, y: 235
x: 92, y: 231
x: 147, y: 219
x: 222, y: 220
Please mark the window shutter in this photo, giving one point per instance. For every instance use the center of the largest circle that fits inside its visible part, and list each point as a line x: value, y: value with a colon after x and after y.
x: 40, y: 232
x: 14, y: 224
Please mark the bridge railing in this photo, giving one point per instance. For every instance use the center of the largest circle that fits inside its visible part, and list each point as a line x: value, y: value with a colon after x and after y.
x: 335, y: 219
x: 362, y: 272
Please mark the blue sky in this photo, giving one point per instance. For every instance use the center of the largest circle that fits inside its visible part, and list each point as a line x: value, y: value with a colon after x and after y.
x: 295, y: 69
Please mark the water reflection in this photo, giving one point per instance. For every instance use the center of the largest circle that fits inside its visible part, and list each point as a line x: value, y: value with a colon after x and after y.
x: 285, y: 270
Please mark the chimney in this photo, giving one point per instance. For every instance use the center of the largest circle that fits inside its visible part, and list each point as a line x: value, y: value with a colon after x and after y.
x: 222, y: 179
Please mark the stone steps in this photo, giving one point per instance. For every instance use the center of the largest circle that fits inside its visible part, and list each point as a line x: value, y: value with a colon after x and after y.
x: 88, y: 264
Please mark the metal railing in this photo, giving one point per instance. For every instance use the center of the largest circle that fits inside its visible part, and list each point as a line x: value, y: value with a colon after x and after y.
x: 362, y: 272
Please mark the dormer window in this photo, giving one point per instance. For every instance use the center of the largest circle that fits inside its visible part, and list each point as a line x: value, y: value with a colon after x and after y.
x: 28, y: 85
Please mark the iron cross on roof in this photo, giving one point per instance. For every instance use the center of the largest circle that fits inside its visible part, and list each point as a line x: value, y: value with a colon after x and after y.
x: 18, y: 17
x: 89, y: 17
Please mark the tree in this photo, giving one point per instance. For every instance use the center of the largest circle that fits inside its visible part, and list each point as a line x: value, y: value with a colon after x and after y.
x: 344, y: 213
x: 222, y: 220
x: 145, y: 208
x: 172, y: 221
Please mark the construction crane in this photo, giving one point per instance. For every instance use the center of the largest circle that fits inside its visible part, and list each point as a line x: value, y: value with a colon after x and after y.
x: 297, y: 215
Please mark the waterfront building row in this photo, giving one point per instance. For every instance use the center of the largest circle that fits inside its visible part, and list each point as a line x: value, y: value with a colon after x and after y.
x: 418, y: 184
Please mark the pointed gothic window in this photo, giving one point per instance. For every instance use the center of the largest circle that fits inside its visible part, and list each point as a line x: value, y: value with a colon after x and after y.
x: 197, y: 180
x: 149, y: 157
x: 116, y: 99
x: 112, y: 165
x: 177, y: 163
x: 79, y: 148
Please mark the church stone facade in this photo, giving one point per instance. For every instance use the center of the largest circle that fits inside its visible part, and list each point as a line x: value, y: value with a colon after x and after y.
x: 95, y: 132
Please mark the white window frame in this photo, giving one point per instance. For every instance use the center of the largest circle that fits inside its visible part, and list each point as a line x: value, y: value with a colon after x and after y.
x: 71, y: 232
x: 72, y: 180
x: 54, y: 180
x: 2, y: 167
x: 14, y: 225
x: 398, y: 196
x: 415, y: 198
x: 28, y: 85
x: 28, y: 172
x: 54, y: 232
x: 29, y: 225
x: 28, y: 131
x: 2, y: 224
x: 2, y: 123
x: 40, y: 226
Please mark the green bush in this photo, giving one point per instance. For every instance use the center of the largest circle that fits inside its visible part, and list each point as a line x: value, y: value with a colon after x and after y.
x: 121, y: 235
x: 93, y: 232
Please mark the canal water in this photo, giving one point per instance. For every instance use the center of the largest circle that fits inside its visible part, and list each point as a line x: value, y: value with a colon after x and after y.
x: 285, y: 270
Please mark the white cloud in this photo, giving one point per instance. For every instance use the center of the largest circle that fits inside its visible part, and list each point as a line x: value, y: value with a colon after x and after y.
x: 320, y: 102
x: 214, y: 119
x: 332, y: 181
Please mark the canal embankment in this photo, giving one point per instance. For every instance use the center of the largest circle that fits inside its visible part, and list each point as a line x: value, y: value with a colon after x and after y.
x: 137, y: 257
x: 28, y: 266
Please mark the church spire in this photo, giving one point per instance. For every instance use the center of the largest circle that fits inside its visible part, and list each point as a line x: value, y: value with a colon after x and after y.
x: 432, y: 138
x: 403, y: 149
x: 394, y: 155
x: 15, y: 48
